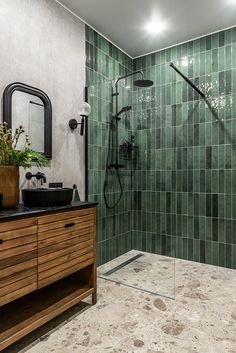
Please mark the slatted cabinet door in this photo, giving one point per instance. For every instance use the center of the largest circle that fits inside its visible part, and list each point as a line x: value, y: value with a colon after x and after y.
x: 18, y: 259
x: 66, y: 244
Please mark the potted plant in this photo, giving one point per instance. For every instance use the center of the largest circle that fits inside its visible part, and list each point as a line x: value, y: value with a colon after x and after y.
x: 11, y: 158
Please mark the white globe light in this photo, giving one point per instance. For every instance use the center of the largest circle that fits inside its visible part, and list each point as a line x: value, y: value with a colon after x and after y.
x: 84, y: 109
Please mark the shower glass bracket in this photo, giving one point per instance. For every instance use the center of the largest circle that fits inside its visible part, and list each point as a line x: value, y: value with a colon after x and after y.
x: 188, y: 80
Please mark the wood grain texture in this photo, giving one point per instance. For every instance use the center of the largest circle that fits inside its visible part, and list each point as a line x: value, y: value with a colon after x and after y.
x: 30, y: 312
x: 19, y: 250
x: 19, y: 224
x: 62, y: 252
x: 17, y: 233
x: 63, y: 259
x: 54, y: 235
x: 17, y: 276
x: 47, y: 264
x: 8, y: 289
x: 9, y: 185
x: 18, y: 293
x: 62, y: 236
x: 64, y: 266
x: 69, y: 243
x: 20, y: 262
x: 14, y: 243
x: 79, y: 223
x: 64, y: 215
x: 67, y: 271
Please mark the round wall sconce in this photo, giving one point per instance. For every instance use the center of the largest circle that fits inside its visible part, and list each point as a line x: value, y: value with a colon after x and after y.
x: 84, y: 111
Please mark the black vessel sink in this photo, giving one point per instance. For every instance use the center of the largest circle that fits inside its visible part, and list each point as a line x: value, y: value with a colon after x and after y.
x: 47, y: 197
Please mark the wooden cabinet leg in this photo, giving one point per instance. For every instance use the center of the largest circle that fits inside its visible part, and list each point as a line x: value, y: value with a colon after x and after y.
x: 94, y: 298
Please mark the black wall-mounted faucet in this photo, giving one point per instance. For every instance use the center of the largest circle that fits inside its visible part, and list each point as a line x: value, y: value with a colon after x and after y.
x: 38, y: 176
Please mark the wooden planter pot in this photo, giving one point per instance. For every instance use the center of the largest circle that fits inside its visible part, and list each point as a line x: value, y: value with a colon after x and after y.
x: 9, y: 186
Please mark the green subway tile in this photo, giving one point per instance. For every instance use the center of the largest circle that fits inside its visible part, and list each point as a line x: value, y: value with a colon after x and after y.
x: 186, y: 154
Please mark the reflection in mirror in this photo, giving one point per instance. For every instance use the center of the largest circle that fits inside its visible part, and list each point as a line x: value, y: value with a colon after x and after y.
x: 30, y: 107
x: 28, y: 111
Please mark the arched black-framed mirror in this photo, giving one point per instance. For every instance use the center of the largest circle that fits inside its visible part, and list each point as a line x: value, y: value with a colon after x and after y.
x: 30, y: 107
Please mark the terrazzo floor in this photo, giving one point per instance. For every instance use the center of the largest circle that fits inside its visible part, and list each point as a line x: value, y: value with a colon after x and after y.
x: 201, y: 319
x: 150, y: 272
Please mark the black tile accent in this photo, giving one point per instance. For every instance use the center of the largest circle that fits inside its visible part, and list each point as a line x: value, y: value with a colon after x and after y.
x: 168, y: 202
x: 208, y: 205
x: 202, y: 251
x: 215, y: 229
x: 174, y: 115
x: 208, y: 42
x: 137, y: 200
x: 221, y: 39
x: 196, y: 228
x: 196, y: 134
x: 214, y: 205
x: 208, y: 157
x: 190, y: 181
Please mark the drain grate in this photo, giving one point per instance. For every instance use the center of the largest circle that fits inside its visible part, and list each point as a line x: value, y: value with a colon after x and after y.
x: 123, y: 264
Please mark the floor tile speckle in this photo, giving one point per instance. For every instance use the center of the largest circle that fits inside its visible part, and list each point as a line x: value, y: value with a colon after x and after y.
x: 201, y: 319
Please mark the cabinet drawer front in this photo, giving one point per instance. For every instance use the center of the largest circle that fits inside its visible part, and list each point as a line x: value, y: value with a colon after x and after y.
x: 17, y: 234
x: 64, y: 259
x: 8, y: 268
x: 18, y: 259
x: 66, y: 215
x: 69, y: 240
x: 63, y: 266
x: 57, y: 235
x: 64, y: 272
x: 45, y: 256
x: 69, y: 224
x: 16, y: 243
x: 17, y: 225
x: 17, y: 276
x: 19, y: 250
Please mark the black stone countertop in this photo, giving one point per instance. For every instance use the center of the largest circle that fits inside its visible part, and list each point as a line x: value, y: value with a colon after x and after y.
x: 22, y: 211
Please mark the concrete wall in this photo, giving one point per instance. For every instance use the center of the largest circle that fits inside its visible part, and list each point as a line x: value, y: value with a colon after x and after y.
x: 43, y: 45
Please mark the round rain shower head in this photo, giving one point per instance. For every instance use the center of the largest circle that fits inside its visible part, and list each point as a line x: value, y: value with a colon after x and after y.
x: 143, y: 83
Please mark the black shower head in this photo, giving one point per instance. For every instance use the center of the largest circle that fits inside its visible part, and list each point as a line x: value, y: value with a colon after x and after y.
x: 143, y: 83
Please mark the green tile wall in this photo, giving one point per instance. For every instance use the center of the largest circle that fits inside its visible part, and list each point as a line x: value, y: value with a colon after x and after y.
x: 104, y: 63
x: 184, y: 186
x: 181, y: 200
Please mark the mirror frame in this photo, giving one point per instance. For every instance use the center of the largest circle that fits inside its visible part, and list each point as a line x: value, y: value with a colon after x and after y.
x: 7, y: 111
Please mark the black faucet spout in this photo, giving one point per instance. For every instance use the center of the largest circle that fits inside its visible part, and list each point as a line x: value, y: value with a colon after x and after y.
x: 38, y: 176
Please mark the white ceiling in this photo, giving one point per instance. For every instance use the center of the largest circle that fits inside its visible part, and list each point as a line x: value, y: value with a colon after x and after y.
x: 123, y: 21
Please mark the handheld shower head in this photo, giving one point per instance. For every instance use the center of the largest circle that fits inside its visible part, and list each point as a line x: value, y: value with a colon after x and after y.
x: 123, y: 110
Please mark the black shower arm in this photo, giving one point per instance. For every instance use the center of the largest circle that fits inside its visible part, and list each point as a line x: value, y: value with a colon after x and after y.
x: 188, y: 81
x: 128, y: 75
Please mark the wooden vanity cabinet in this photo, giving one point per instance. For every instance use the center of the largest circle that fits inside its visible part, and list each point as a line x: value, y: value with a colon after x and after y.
x: 47, y: 265
x: 65, y: 244
x: 18, y: 259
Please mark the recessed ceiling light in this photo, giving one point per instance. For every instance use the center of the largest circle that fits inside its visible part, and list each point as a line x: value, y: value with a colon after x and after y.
x: 155, y: 26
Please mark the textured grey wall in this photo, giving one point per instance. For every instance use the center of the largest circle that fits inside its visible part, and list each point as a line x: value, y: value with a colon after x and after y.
x: 43, y: 45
